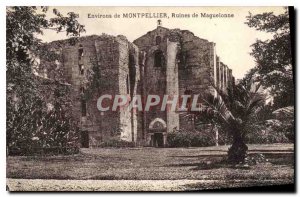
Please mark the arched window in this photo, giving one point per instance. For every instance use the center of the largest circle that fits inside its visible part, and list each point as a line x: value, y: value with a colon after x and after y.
x: 159, y: 58
x: 158, y: 40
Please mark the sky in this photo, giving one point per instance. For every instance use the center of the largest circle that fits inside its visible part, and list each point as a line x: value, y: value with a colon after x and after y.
x: 231, y: 35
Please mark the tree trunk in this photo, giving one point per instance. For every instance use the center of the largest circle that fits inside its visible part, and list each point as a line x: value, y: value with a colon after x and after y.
x: 238, y: 150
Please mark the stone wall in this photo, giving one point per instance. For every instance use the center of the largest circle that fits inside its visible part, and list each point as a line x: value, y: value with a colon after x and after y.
x: 198, y: 66
x: 163, y: 61
x: 154, y: 76
x: 196, y: 73
x: 111, y: 54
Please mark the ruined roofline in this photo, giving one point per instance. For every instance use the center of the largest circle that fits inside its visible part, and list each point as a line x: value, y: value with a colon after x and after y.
x: 182, y: 31
x: 218, y: 58
x: 170, y: 30
x: 225, y: 65
x: 103, y: 36
x: 65, y: 42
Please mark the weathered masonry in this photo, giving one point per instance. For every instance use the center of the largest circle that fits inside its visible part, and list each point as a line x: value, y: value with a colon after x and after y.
x: 161, y: 62
x: 176, y: 62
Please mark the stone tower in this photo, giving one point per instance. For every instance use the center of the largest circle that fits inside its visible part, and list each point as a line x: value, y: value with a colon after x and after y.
x: 164, y: 61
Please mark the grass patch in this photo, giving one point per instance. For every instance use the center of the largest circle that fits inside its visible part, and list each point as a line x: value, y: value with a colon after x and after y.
x: 155, y: 164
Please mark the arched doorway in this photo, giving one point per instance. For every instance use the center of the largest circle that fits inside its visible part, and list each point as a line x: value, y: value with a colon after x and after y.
x: 157, y: 133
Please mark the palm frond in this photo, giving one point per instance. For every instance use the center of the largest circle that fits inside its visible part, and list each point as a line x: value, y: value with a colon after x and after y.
x: 285, y: 112
x: 254, y: 99
x: 216, y: 104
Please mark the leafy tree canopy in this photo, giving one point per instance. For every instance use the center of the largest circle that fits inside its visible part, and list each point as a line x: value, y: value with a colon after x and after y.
x: 273, y: 56
x: 30, y: 122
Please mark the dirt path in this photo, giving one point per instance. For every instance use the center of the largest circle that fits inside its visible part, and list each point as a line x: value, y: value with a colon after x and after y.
x: 132, y: 185
x: 97, y: 185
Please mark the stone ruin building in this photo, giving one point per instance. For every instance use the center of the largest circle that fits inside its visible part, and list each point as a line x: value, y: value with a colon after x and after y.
x: 162, y: 62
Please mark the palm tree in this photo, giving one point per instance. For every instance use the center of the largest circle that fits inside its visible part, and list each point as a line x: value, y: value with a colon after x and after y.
x: 235, y: 112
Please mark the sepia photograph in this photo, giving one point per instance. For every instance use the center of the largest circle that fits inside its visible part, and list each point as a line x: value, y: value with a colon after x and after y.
x: 150, y: 99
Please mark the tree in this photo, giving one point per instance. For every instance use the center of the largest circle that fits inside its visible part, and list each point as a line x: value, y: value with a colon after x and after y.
x: 27, y: 114
x: 285, y: 118
x: 273, y: 56
x: 236, y: 113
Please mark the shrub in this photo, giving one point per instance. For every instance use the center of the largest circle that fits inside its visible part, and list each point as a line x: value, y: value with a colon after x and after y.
x: 35, y: 128
x: 17, y: 151
x: 202, y: 140
x: 178, y: 139
x: 262, y: 137
x: 190, y: 139
x: 116, y: 143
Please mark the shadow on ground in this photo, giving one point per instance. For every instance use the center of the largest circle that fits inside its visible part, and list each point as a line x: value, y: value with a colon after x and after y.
x: 209, y: 162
